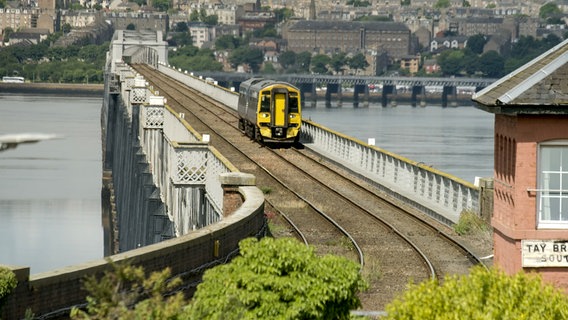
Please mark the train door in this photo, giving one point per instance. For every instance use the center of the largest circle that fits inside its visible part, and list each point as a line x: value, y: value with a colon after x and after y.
x: 279, y: 112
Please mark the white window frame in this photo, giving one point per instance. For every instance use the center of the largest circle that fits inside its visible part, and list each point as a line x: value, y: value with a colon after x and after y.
x: 543, y: 192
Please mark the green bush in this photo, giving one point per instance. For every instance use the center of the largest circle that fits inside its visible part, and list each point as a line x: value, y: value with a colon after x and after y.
x: 470, y: 223
x: 483, y: 294
x: 8, y: 282
x: 278, y: 279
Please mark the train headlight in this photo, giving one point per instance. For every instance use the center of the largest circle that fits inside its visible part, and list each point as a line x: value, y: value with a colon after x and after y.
x: 265, y: 115
x: 292, y: 116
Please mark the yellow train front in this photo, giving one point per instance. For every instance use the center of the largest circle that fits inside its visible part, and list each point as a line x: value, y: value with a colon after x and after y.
x: 270, y: 110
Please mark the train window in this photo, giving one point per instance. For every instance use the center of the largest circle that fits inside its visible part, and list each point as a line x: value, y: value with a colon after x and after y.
x: 265, y: 102
x: 293, y: 103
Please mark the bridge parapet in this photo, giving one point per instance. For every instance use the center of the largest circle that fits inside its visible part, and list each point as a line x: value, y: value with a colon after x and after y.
x: 184, y: 168
x: 431, y: 191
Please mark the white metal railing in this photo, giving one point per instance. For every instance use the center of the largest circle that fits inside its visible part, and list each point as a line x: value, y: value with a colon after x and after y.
x: 434, y: 192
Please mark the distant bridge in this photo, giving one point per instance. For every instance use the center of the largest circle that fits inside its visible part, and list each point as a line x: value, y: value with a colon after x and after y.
x: 389, y: 86
x: 237, y: 77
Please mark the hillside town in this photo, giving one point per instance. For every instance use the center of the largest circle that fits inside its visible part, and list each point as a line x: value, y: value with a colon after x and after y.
x: 408, y: 34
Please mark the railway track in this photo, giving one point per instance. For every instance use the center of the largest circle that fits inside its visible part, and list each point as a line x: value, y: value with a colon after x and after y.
x: 330, y: 209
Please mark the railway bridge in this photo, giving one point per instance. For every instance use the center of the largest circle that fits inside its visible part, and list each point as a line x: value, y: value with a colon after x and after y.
x: 176, y: 201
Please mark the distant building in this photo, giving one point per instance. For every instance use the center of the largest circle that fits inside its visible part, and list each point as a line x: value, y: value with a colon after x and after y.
x: 500, y: 42
x: 439, y: 44
x: 28, y: 18
x: 28, y: 36
x: 410, y: 63
x: 473, y: 26
x: 431, y: 66
x: 79, y: 19
x: 253, y: 20
x: 141, y: 20
x: 230, y: 30
x: 201, y: 33
x: 349, y: 37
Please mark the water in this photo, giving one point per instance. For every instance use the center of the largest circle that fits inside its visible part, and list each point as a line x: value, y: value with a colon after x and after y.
x: 458, y: 140
x: 50, y: 208
x: 50, y: 213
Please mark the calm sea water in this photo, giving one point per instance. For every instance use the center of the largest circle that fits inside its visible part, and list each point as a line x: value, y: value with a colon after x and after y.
x: 50, y: 208
x: 50, y: 213
x: 456, y: 140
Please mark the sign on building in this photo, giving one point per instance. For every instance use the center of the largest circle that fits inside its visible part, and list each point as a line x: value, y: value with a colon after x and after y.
x: 544, y: 253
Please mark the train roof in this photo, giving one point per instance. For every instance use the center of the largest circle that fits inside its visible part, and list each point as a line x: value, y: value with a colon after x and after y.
x: 261, y: 83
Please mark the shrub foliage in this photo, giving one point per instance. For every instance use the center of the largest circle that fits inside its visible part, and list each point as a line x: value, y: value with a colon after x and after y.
x: 484, y: 294
x: 278, y: 279
x: 8, y: 282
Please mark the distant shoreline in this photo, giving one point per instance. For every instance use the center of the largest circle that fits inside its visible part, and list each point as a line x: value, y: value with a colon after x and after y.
x: 67, y: 89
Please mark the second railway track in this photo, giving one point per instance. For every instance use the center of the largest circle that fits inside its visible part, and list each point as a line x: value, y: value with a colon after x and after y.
x: 395, y: 247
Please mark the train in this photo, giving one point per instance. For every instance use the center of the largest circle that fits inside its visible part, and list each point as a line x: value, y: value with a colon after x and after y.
x: 270, y: 110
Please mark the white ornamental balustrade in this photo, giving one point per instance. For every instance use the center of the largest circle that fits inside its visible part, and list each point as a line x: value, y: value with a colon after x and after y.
x: 139, y: 92
x: 197, y: 165
x: 153, y: 113
x: 190, y: 162
x: 434, y: 192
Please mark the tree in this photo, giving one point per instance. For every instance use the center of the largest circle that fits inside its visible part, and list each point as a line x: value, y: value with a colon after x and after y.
x: 470, y: 62
x: 7, y: 32
x: 191, y: 58
x: 338, y: 61
x: 125, y: 292
x: 211, y: 20
x: 66, y: 28
x: 491, y: 64
x: 476, y: 43
x: 268, y: 68
x: 358, y: 3
x: 440, y: 4
x: 181, y: 27
x: 131, y: 26
x: 283, y: 14
x: 161, y: 5
x: 357, y: 62
x: 483, y: 294
x: 226, y: 42
x: 253, y: 57
x: 278, y: 279
x: 549, y: 10
x: 8, y: 282
x: 303, y: 61
x: 319, y: 63
x: 194, y: 15
x: 287, y: 59
x: 450, y: 62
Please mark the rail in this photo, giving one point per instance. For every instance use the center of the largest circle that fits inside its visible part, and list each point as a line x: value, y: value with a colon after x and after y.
x: 436, y: 193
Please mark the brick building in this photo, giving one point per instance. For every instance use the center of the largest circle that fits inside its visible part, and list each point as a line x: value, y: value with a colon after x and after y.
x: 350, y: 37
x: 530, y: 216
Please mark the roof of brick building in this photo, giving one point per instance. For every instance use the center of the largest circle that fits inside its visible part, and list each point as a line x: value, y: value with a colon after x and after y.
x: 538, y: 87
x: 348, y: 25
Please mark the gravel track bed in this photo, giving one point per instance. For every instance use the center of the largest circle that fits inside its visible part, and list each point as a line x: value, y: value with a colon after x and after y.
x: 384, y: 251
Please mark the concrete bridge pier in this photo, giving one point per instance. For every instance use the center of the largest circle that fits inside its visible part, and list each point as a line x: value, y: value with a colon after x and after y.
x: 388, y: 90
x: 357, y: 89
x: 418, y: 95
x: 449, y: 94
x: 311, y: 97
x: 330, y: 89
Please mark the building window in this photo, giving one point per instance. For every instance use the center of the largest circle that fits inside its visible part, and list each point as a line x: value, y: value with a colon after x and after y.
x: 552, y: 189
